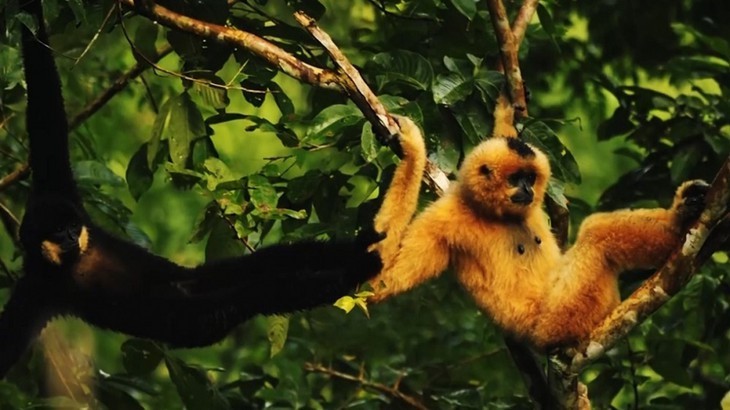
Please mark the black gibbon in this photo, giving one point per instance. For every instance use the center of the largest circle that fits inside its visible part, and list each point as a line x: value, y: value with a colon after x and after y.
x: 491, y: 228
x: 72, y: 267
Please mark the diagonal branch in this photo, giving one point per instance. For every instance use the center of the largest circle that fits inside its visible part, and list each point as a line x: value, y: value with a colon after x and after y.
x: 359, y: 92
x: 666, y: 282
x: 653, y: 293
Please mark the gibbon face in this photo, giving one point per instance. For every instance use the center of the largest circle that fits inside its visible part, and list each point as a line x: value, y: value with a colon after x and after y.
x: 504, y: 177
x: 59, y: 230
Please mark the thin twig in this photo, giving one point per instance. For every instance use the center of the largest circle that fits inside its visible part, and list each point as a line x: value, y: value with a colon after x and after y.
x: 109, y: 14
x: 118, y: 85
x: 20, y: 173
x: 390, y: 390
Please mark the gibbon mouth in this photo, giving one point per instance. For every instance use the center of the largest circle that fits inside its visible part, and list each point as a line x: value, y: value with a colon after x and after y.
x: 521, y: 198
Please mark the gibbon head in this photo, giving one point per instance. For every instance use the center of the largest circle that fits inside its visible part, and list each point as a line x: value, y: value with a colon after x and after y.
x: 57, y: 230
x: 504, y: 178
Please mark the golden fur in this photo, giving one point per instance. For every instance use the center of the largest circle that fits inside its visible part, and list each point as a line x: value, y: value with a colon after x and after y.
x: 504, y: 253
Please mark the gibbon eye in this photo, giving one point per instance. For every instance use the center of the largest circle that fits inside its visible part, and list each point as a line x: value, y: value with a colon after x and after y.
x: 484, y: 170
x: 531, y: 177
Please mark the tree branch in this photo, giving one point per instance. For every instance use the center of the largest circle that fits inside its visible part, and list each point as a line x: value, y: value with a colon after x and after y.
x: 368, y: 384
x: 524, y: 16
x: 508, y: 52
x: 20, y: 173
x: 354, y: 85
x: 270, y: 52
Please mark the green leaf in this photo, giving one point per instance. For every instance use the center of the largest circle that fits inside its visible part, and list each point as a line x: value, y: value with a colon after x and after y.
x: 489, y: 83
x: 27, y: 20
x: 330, y: 122
x: 144, y: 40
x: 94, y: 172
x: 193, y: 386
x: 618, y: 124
x: 263, y: 194
x: 286, y: 106
x: 254, y: 92
x: 404, y: 67
x: 474, y: 119
x: 161, y: 123
x: 346, y: 303
x: 214, y: 97
x: 368, y: 143
x: 139, y: 176
x: 278, y: 328
x: 546, y: 20
x: 217, y: 172
x: 141, y: 357
x: 451, y: 88
x: 186, y: 124
x: 562, y: 162
x: 222, y: 242
x: 77, y: 8
x: 302, y: 188
x: 684, y: 163
x: 466, y: 7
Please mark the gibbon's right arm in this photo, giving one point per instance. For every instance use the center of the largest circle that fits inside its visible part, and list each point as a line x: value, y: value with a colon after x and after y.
x: 412, y: 253
x: 401, y: 198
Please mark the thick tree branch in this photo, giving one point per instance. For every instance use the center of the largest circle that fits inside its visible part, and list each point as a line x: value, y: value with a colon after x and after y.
x: 270, y: 52
x: 368, y: 384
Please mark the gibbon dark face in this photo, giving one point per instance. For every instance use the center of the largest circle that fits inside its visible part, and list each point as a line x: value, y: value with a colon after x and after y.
x: 57, y: 231
x: 504, y: 177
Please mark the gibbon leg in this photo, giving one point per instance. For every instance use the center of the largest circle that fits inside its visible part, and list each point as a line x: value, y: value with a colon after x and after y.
x: 585, y: 285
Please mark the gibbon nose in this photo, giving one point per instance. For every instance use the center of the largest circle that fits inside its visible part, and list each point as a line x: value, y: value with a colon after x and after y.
x: 523, y: 197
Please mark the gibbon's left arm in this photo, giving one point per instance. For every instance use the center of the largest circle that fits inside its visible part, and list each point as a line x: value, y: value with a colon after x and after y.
x: 73, y: 267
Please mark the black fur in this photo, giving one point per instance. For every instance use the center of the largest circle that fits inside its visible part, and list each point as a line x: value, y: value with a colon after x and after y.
x: 137, y: 292
x: 520, y: 147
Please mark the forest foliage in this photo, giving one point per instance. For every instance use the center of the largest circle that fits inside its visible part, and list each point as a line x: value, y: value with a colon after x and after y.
x: 211, y: 152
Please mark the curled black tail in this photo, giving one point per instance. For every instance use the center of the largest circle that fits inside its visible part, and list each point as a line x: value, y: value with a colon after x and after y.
x: 45, y: 116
